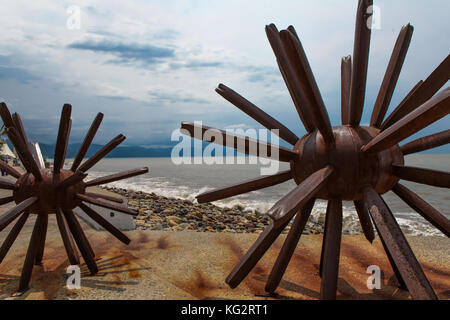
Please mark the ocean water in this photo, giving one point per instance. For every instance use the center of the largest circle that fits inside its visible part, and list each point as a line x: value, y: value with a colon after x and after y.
x: 186, y: 181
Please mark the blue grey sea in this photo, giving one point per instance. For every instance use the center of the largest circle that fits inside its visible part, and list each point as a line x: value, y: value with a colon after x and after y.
x: 188, y: 180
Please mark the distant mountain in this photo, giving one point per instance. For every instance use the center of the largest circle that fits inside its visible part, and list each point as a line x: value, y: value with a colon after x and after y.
x: 48, y: 151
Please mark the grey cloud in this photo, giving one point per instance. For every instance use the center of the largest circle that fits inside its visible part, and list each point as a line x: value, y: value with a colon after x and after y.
x: 166, y: 34
x: 163, y: 98
x: 260, y: 74
x: 126, y: 52
x: 8, y: 71
x: 18, y: 74
x: 195, y: 64
x: 118, y: 98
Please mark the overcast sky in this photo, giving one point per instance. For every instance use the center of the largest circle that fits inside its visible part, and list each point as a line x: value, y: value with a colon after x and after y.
x: 148, y: 65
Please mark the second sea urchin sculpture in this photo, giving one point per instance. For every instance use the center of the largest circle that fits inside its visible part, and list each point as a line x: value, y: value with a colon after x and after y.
x: 44, y: 191
x: 347, y: 162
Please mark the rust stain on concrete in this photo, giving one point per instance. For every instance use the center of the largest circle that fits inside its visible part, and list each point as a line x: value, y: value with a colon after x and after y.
x: 163, y: 242
x: 198, y: 285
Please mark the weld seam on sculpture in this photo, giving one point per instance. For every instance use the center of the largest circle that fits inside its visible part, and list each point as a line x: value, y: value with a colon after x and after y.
x: 347, y: 162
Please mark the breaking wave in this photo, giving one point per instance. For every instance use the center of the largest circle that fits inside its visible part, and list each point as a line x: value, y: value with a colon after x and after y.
x: 410, y: 222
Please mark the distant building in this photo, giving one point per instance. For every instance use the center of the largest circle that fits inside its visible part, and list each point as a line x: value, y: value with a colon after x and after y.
x: 5, y: 151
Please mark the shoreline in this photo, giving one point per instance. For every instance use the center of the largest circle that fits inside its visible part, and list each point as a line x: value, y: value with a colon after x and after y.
x: 157, y: 212
x: 189, y: 264
x: 172, y: 214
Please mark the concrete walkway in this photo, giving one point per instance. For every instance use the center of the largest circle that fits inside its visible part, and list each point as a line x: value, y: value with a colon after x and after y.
x: 192, y: 265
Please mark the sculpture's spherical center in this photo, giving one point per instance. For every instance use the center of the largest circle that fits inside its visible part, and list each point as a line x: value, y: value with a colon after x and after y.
x: 47, y: 191
x: 352, y: 168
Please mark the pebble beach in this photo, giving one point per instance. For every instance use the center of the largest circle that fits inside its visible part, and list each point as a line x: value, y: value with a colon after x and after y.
x: 162, y: 213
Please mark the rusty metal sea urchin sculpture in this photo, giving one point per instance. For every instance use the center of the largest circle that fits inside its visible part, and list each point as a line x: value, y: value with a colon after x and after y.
x: 45, y: 191
x: 347, y: 162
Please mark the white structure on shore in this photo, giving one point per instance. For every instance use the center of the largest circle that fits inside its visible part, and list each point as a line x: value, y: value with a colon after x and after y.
x: 6, y: 151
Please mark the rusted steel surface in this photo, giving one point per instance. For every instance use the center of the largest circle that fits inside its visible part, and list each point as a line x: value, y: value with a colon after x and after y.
x: 398, y: 275
x: 289, y: 77
x: 423, y: 208
x: 360, y: 62
x: 105, y: 224
x: 81, y: 240
x: 100, y: 154
x: 364, y: 219
x: 251, y: 185
x: 10, y: 170
x: 346, y: 80
x: 12, y: 236
x: 331, y: 252
x: 117, y: 176
x: 19, y: 126
x: 308, y: 85
x: 44, y: 191
x: 426, y: 143
x: 27, y: 268
x: 429, y: 112
x: 284, y: 209
x: 256, y: 113
x: 391, y: 76
x: 425, y: 176
x: 401, y: 253
x: 324, y: 240
x: 6, y: 116
x: 364, y: 169
x: 76, y: 178
x: 6, y: 200
x: 62, y: 139
x: 254, y: 254
x: 105, y: 204
x: 87, y: 141
x: 104, y: 196
x: 338, y: 163
x: 13, y: 213
x: 77, y: 225
x: 7, y: 184
x: 42, y: 237
x: 270, y: 150
x: 67, y: 238
x: 420, y: 94
x: 47, y: 192
x: 289, y: 245
x: 24, y: 153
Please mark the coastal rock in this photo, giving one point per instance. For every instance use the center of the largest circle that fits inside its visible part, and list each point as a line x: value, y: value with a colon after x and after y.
x: 161, y: 213
x: 155, y: 219
x: 172, y: 220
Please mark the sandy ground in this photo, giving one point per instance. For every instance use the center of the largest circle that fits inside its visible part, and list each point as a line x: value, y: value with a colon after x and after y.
x: 194, y: 265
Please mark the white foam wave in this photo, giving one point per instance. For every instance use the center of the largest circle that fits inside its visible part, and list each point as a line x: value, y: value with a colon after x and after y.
x: 409, y: 222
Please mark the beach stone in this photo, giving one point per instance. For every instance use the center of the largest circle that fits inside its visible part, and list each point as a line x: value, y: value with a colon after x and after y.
x: 172, y: 220
x: 157, y: 226
x: 191, y: 216
x: 155, y: 219
x: 161, y: 213
x: 168, y: 211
